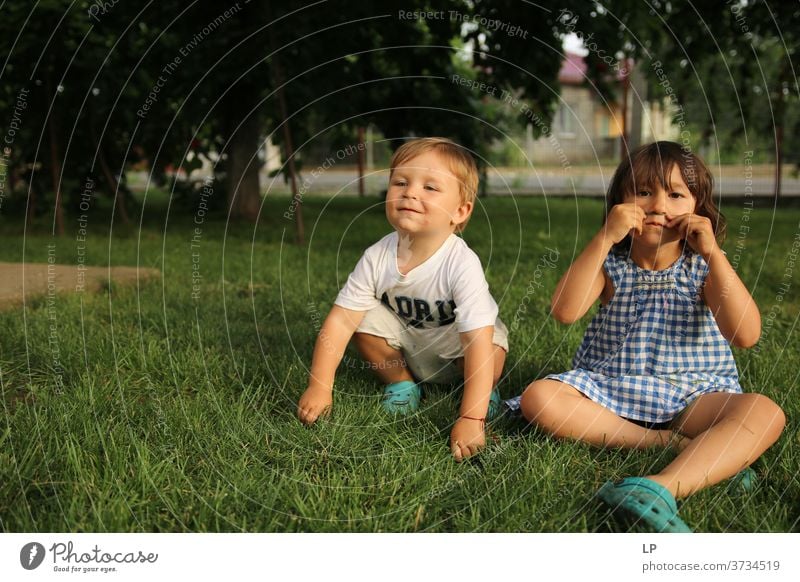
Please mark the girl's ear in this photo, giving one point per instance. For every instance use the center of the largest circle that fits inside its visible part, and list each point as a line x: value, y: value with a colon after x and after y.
x: 461, y: 214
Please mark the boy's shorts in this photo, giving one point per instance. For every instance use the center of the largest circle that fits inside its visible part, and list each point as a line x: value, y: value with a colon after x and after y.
x: 430, y: 353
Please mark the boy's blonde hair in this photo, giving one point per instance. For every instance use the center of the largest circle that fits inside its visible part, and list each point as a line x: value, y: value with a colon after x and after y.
x: 461, y: 164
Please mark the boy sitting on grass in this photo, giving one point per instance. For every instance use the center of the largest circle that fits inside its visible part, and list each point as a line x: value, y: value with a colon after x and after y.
x: 417, y: 304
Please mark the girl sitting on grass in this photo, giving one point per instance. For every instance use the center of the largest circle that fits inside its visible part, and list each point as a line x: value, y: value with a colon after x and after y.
x: 655, y: 367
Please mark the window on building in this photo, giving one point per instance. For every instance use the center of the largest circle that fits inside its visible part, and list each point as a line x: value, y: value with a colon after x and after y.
x: 603, y: 129
x: 565, y: 121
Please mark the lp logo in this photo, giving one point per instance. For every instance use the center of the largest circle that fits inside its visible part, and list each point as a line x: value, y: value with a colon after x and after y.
x: 31, y: 555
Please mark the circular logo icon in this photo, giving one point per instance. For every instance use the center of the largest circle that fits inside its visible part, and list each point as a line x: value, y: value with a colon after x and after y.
x: 31, y: 555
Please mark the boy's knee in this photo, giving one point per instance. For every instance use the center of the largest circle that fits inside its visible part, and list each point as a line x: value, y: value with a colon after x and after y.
x: 364, y: 339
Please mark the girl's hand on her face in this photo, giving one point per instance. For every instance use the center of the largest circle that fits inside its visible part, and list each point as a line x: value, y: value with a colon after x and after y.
x: 623, y: 220
x: 698, y: 232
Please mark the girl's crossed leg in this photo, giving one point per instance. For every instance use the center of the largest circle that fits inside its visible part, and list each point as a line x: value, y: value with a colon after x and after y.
x: 561, y: 410
x: 728, y: 431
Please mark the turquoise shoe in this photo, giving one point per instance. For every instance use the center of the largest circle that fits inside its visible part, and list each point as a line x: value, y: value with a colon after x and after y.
x: 495, y: 406
x: 401, y: 397
x: 637, y: 499
x: 745, y: 481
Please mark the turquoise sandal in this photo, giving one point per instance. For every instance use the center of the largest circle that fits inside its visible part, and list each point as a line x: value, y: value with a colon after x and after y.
x: 401, y: 397
x: 745, y: 481
x: 637, y: 499
x: 495, y: 406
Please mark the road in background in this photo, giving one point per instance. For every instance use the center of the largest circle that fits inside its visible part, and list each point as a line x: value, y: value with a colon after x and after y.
x: 585, y: 181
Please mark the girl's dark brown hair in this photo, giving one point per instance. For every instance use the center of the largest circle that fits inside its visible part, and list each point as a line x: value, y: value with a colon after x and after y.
x: 650, y: 166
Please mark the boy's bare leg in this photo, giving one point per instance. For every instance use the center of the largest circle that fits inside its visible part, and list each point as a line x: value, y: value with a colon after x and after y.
x: 562, y: 411
x: 499, y: 362
x: 729, y: 432
x: 387, y: 363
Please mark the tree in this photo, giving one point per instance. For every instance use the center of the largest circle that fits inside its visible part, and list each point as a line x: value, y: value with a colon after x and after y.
x: 168, y: 81
x: 729, y: 67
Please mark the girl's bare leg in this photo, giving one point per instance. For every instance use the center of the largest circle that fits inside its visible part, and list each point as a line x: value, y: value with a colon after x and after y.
x: 729, y: 432
x: 562, y: 411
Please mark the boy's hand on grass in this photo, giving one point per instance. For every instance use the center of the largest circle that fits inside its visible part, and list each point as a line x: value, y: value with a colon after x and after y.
x: 314, y: 402
x: 466, y: 438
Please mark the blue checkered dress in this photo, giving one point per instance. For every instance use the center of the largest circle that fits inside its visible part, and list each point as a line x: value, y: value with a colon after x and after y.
x: 655, y: 347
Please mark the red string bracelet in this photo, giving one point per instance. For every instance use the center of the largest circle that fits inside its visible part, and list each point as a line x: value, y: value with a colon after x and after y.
x: 471, y: 417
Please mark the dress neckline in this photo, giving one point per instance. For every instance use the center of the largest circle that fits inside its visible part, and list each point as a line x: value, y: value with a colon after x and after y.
x: 681, y: 258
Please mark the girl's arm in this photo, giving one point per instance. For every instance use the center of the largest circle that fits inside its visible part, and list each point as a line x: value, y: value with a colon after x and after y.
x: 584, y: 281
x: 734, y: 309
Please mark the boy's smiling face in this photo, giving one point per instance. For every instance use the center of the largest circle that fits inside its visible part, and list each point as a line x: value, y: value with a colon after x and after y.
x: 424, y: 197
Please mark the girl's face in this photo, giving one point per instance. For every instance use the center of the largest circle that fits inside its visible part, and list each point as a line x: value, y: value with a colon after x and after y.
x: 661, y: 206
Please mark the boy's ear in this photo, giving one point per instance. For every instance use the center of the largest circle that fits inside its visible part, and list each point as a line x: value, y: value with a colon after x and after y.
x: 462, y: 213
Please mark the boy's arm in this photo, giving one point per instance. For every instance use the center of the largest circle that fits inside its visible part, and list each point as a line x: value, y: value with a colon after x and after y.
x: 467, y: 436
x: 732, y: 305
x: 333, y: 338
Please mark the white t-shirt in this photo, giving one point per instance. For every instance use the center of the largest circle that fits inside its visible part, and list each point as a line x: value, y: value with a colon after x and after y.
x: 449, y: 287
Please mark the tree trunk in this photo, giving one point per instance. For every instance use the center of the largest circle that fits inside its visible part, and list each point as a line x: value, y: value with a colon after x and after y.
x: 778, y: 158
x: 55, y: 162
x: 33, y: 202
x: 639, y: 84
x: 483, y: 182
x: 277, y: 77
x: 780, y: 119
x: 244, y: 191
x: 360, y: 160
x: 115, y: 188
x: 623, y: 136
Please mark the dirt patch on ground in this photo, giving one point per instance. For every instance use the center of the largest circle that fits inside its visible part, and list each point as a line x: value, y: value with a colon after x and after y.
x: 21, y: 282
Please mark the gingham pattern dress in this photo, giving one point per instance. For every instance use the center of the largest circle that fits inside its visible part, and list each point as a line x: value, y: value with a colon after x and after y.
x: 655, y: 346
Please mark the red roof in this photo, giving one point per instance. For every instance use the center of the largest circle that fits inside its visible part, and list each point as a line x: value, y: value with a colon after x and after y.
x: 573, y: 70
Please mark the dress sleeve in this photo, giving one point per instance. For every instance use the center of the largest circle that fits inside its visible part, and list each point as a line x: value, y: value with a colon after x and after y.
x: 615, y: 266
x: 697, y: 270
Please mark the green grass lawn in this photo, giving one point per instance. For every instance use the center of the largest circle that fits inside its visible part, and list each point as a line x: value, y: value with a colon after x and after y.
x: 176, y: 412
